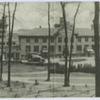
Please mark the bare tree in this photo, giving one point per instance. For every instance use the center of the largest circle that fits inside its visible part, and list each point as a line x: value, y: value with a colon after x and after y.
x: 72, y: 41
x: 2, y: 40
x: 63, y: 4
x: 11, y: 27
x: 48, y: 79
x: 97, y: 53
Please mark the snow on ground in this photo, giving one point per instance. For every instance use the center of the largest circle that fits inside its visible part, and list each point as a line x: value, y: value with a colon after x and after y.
x: 76, y: 60
x: 23, y: 78
x: 82, y: 85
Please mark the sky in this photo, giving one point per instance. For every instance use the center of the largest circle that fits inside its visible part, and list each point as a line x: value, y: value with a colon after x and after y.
x: 30, y: 15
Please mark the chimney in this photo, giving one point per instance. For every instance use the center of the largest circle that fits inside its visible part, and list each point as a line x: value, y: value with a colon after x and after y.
x: 40, y: 26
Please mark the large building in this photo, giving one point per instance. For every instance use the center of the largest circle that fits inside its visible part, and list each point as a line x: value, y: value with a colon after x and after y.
x: 35, y: 40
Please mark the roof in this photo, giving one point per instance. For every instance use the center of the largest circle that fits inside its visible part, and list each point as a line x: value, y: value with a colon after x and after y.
x: 84, y: 31
x: 36, y: 32
x: 44, y: 32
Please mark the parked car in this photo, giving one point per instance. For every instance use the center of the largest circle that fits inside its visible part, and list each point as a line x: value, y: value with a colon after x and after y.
x: 34, y: 59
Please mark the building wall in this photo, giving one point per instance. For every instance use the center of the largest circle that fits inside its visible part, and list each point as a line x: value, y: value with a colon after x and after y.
x: 33, y: 44
x: 79, y: 45
x: 56, y: 44
x: 83, y: 43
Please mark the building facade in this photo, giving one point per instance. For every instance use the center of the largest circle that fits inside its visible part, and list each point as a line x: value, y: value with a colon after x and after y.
x: 35, y: 40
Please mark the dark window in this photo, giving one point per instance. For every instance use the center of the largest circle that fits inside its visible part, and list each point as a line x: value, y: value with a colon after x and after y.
x: 44, y: 47
x: 86, y: 39
x: 28, y: 39
x: 86, y: 46
x: 92, y: 38
x: 28, y: 48
x: 44, y: 39
x: 65, y: 39
x: 71, y: 40
x: 36, y: 40
x: 36, y: 48
x: 79, y: 39
x: 59, y: 48
x: 13, y: 43
x: 51, y: 48
x: 59, y: 39
x: 93, y: 47
x: 79, y: 47
x: 52, y: 40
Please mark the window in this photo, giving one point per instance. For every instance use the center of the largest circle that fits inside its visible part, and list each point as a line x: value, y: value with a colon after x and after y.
x: 52, y: 40
x: 86, y: 39
x: 36, y: 48
x: 59, y: 39
x: 65, y: 39
x: 93, y: 47
x: 59, y: 48
x: 51, y: 48
x: 92, y: 38
x: 79, y: 47
x: 79, y: 39
x: 72, y: 39
x: 44, y: 47
x: 28, y: 48
x: 28, y: 39
x: 44, y: 39
x: 14, y: 43
x: 36, y: 40
x: 86, y: 46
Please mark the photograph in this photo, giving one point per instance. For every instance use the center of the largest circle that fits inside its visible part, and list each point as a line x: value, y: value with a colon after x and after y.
x: 49, y: 49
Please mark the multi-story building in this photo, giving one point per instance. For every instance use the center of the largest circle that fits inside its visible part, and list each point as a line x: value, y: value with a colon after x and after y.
x: 34, y: 40
x: 15, y: 50
x: 85, y: 40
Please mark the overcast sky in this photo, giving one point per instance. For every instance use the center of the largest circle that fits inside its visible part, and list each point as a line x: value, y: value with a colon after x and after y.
x: 34, y: 14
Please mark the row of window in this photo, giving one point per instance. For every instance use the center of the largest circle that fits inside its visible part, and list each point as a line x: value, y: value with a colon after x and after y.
x: 60, y: 39
x: 79, y: 47
x: 36, y: 48
x: 86, y: 39
x: 36, y: 40
x: 6, y: 43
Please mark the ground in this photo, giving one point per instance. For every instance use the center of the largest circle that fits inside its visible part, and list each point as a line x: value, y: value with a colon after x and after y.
x: 23, y: 79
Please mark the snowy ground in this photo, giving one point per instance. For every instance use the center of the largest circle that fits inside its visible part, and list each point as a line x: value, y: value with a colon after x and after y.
x: 76, y: 60
x: 23, y: 78
x: 82, y: 85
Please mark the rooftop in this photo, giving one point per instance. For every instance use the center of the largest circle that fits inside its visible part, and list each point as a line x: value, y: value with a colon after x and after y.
x: 84, y: 31
x: 44, y: 32
x: 36, y: 32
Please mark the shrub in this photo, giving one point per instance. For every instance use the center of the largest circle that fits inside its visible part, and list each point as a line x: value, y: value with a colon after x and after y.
x: 87, y: 68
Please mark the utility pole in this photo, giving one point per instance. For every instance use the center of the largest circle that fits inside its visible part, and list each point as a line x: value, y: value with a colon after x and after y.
x: 48, y: 78
x: 2, y: 43
x: 97, y: 53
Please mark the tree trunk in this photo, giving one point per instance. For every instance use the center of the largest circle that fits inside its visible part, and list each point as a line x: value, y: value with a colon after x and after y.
x: 10, y: 42
x: 66, y: 46
x: 97, y: 59
x: 48, y: 78
x: 72, y: 41
x: 2, y: 43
